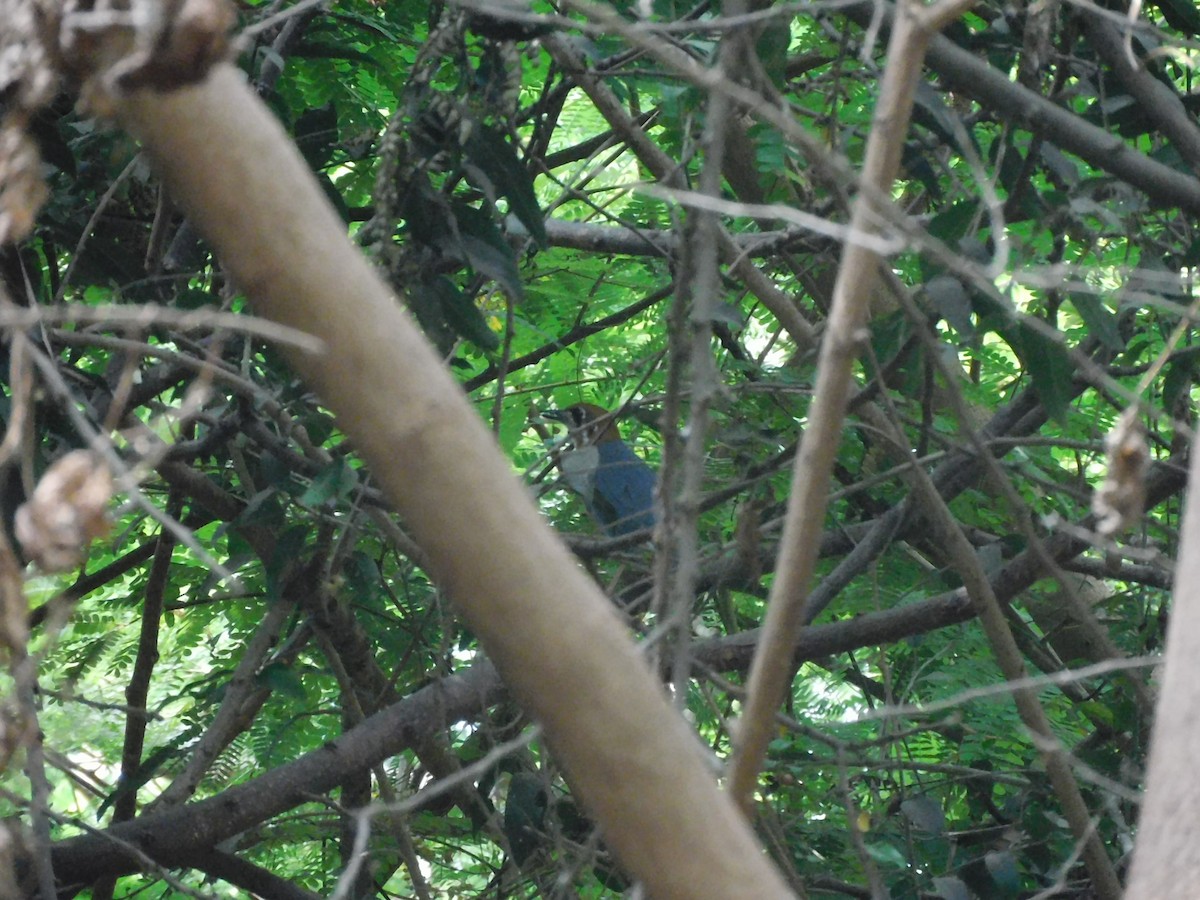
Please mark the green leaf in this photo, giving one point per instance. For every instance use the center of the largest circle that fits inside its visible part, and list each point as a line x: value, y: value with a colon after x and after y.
x: 332, y: 483
x: 486, y: 250
x: 950, y: 888
x: 462, y: 315
x: 362, y: 575
x: 1002, y: 866
x: 512, y: 428
x: 282, y: 678
x: 950, y: 298
x: 492, y: 165
x: 1099, y: 319
x: 925, y: 814
x: 288, y: 549
x: 772, y: 50
x: 1048, y: 364
x: 887, y: 854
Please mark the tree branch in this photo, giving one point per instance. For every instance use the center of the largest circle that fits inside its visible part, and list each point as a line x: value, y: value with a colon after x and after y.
x: 966, y: 73
x: 229, y: 164
x: 857, y: 277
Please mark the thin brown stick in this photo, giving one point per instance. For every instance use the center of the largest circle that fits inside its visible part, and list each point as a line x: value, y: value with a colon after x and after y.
x: 857, y: 279
x: 965, y: 561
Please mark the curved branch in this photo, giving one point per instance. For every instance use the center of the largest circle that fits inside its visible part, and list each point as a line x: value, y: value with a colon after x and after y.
x: 185, y: 835
x: 1154, y: 98
x: 968, y: 74
x: 858, y: 275
x: 548, y: 628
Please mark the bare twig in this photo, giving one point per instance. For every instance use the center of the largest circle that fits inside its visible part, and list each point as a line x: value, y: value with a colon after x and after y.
x: 857, y: 278
x: 466, y: 775
x: 692, y: 363
x: 966, y: 562
x: 149, y: 315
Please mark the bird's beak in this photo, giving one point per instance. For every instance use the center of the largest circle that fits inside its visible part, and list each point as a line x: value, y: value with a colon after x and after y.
x: 555, y: 415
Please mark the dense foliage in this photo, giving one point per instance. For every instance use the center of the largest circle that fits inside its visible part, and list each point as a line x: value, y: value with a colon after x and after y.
x: 526, y: 180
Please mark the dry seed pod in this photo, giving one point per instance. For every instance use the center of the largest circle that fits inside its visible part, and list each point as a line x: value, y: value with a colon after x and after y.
x: 22, y: 191
x: 68, y: 510
x: 1121, y: 499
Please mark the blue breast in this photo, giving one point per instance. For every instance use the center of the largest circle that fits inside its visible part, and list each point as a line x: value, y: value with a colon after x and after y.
x: 623, y: 490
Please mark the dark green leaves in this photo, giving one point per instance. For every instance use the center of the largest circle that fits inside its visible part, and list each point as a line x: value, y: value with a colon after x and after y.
x: 445, y: 313
x: 950, y: 298
x: 525, y: 814
x: 925, y: 814
x: 485, y: 248
x: 1181, y: 14
x: 332, y: 483
x: 1048, y: 364
x: 492, y: 165
x: 1099, y: 319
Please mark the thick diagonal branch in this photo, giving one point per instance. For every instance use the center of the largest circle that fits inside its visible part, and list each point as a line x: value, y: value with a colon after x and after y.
x: 550, y: 631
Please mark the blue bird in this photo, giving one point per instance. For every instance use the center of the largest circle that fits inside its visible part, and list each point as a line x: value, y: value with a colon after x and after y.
x: 616, y: 485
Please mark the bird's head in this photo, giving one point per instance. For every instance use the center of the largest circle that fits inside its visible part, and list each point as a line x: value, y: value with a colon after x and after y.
x: 588, y: 423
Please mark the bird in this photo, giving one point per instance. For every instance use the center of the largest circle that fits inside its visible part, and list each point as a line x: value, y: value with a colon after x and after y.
x: 616, y: 485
